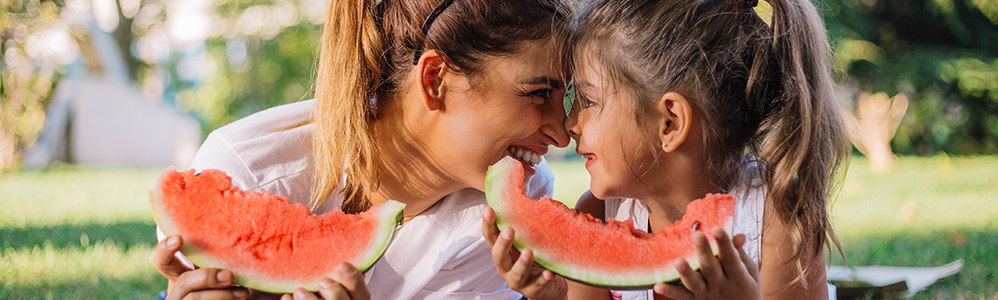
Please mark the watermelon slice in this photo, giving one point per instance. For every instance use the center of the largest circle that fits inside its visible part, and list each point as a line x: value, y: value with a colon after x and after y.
x: 580, y: 247
x: 267, y: 242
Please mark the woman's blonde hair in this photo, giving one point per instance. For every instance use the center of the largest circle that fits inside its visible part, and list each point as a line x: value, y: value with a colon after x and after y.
x: 366, y: 54
x: 765, y: 90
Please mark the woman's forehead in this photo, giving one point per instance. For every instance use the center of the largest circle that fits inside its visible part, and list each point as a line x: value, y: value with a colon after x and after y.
x: 534, y: 63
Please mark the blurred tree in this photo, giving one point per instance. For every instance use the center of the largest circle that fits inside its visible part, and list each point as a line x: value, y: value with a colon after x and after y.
x: 943, y: 54
x: 33, y: 42
x: 261, y: 55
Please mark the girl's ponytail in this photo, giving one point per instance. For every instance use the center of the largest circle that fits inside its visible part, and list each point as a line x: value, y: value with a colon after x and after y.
x: 350, y: 71
x: 803, y: 136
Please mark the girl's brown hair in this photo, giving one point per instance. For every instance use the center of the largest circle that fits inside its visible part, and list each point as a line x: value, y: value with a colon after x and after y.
x: 765, y: 90
x: 366, y: 55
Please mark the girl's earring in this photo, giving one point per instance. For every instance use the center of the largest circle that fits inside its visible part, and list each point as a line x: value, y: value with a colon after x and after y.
x: 664, y: 146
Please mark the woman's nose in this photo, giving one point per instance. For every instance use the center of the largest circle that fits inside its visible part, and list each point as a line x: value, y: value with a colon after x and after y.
x: 554, y: 125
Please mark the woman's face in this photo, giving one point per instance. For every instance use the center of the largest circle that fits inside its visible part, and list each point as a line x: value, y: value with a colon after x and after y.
x: 513, y: 108
x: 616, y: 148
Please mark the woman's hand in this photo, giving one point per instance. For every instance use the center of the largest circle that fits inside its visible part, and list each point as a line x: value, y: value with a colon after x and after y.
x: 730, y: 275
x: 518, y: 269
x: 350, y: 287
x: 213, y: 283
x: 187, y: 283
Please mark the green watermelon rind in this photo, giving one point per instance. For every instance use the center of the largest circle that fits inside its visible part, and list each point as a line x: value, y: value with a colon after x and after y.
x: 389, y: 216
x: 495, y: 185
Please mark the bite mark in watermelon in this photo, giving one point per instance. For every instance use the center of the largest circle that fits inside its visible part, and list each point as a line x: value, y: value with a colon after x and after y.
x: 580, y: 247
x: 267, y: 242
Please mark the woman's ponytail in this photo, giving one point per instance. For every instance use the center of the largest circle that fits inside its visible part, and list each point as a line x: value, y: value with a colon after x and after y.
x: 804, y: 141
x: 350, y: 71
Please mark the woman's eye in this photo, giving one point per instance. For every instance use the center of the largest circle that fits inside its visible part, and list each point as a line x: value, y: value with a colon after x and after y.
x: 541, y: 93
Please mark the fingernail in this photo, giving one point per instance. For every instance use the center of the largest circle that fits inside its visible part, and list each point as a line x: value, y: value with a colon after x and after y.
x: 346, y: 269
x: 224, y: 276
x: 325, y: 283
x: 240, y: 293
x: 506, y: 234
x: 299, y: 294
x: 172, y: 241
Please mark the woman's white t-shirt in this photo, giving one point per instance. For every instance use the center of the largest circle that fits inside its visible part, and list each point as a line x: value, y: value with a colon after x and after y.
x: 439, y: 254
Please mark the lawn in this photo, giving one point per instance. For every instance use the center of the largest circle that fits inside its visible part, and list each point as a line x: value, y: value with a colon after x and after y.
x: 77, y: 233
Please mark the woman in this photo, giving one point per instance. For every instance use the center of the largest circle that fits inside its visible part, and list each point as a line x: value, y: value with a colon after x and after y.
x: 414, y: 100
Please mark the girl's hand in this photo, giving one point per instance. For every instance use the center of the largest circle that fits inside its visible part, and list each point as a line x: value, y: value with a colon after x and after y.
x: 350, y: 287
x: 730, y: 275
x: 518, y: 269
x: 187, y: 283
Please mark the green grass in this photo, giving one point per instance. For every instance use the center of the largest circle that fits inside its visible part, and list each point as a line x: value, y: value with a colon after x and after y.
x: 925, y: 212
x: 88, y: 233
x: 77, y: 234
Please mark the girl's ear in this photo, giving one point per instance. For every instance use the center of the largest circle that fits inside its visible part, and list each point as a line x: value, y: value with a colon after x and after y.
x: 432, y: 69
x: 677, y: 118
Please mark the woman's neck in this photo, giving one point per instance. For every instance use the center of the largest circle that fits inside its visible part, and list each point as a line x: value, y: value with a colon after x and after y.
x: 408, y: 173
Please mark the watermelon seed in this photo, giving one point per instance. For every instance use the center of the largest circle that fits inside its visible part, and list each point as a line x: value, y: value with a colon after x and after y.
x: 696, y: 225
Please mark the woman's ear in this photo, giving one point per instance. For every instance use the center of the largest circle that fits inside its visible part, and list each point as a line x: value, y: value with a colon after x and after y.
x: 677, y: 118
x: 432, y: 69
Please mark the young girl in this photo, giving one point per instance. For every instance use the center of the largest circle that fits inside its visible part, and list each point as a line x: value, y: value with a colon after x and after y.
x: 677, y: 99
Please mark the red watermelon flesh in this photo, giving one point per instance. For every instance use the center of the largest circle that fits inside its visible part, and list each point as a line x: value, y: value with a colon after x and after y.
x: 269, y: 243
x: 582, y: 248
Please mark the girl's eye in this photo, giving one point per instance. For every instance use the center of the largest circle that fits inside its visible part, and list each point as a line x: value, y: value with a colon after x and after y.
x: 586, y: 103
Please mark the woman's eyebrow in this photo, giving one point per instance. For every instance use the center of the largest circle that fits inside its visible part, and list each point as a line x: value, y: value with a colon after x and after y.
x: 554, y: 83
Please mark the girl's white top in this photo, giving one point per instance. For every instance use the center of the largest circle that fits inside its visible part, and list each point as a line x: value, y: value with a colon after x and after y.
x: 439, y: 254
x: 750, y: 196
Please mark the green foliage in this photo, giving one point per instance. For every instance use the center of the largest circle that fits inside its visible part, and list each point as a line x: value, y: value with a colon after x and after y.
x: 26, y: 78
x: 942, y: 53
x: 252, y: 72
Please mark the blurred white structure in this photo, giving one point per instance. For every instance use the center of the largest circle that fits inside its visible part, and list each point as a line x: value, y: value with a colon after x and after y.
x: 104, y: 120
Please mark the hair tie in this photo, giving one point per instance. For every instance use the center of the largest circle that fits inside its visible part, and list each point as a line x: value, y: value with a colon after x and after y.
x: 764, y: 10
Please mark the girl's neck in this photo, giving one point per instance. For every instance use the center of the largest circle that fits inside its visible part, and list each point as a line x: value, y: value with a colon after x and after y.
x: 407, y: 173
x: 685, y: 182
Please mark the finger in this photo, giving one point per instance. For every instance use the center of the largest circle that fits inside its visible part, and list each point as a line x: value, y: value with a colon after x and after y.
x: 731, y: 261
x: 353, y: 282
x: 232, y: 293
x: 674, y: 291
x: 690, y: 279
x: 330, y: 290
x: 502, y: 253
x: 489, y: 228
x: 165, y: 258
x: 709, y: 267
x: 287, y: 297
x: 303, y: 294
x: 750, y: 265
x: 200, y: 280
x: 520, y: 273
x: 739, y: 240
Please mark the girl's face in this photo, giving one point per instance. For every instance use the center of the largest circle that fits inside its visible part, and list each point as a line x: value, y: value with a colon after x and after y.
x: 514, y: 108
x: 616, y: 148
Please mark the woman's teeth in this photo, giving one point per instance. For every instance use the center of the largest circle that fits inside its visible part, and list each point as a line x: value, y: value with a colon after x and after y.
x: 525, y: 155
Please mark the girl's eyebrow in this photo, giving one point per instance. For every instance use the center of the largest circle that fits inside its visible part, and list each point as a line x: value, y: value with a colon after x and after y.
x: 582, y: 84
x: 554, y: 83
